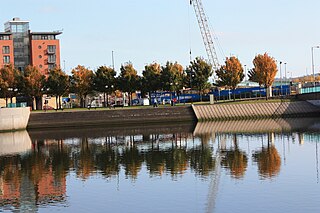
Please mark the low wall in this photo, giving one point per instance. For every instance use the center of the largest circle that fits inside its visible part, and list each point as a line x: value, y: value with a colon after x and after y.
x: 14, y: 118
x: 308, y: 96
x: 255, y: 111
x: 110, y: 118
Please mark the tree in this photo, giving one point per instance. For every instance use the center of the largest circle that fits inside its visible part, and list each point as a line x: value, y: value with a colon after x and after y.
x: 33, y: 82
x: 172, y: 77
x: 151, y: 78
x: 230, y: 74
x: 202, y: 72
x: 57, y: 84
x: 264, y: 72
x: 128, y: 79
x: 9, y: 82
x: 81, y: 82
x: 104, y: 81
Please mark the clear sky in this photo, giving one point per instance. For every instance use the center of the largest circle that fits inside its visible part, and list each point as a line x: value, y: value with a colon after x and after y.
x: 146, y: 31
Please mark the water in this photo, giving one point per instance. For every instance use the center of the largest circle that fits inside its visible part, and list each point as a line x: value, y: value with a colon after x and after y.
x: 247, y: 166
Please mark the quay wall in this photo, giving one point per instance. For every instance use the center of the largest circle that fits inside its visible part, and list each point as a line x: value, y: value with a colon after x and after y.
x: 12, y: 119
x: 169, y: 115
x: 255, y: 111
x: 111, y: 117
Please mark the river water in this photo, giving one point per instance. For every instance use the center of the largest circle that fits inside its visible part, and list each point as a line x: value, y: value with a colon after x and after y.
x: 232, y: 166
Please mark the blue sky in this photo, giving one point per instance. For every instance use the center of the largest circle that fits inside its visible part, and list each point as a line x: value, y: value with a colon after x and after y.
x: 146, y: 31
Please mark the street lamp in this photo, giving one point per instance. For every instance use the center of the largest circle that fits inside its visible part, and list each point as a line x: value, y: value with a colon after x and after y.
x: 314, y: 80
x: 285, y: 74
x: 280, y: 79
x: 245, y: 73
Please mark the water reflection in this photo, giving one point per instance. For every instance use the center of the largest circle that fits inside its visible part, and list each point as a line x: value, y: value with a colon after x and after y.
x: 34, y: 171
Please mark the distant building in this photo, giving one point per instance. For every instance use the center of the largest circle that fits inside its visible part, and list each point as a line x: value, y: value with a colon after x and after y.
x: 21, y: 47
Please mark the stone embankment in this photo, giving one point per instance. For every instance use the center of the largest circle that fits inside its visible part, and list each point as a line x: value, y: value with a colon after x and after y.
x: 255, y: 111
x: 111, y: 117
x: 169, y: 115
x: 12, y: 119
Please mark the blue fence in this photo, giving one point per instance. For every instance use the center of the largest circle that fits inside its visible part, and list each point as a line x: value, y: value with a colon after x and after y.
x: 252, y: 92
x: 310, y: 90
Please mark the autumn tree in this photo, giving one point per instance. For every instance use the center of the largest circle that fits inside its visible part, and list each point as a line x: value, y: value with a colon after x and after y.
x: 104, y: 81
x: 33, y: 82
x: 264, y: 71
x: 151, y: 81
x: 172, y: 76
x: 128, y: 79
x: 81, y: 82
x: 230, y: 74
x: 9, y: 82
x: 57, y: 84
x: 202, y: 72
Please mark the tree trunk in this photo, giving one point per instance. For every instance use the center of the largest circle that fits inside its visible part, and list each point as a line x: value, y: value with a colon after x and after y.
x: 57, y: 107
x: 104, y: 100
x: 234, y: 94
x: 38, y: 103
x: 59, y: 101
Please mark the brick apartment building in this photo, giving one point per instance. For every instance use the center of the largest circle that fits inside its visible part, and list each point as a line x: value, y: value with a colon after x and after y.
x: 21, y: 47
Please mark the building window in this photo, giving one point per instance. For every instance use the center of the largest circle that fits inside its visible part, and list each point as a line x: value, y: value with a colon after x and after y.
x: 40, y: 66
x: 5, y: 50
x: 6, y: 59
x: 51, y: 66
x: 40, y: 56
x: 39, y: 47
x: 4, y: 37
x: 51, y: 59
x: 51, y: 49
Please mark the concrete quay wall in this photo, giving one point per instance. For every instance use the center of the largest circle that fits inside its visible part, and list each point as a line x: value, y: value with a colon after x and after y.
x: 111, y: 118
x: 12, y: 119
x: 255, y: 111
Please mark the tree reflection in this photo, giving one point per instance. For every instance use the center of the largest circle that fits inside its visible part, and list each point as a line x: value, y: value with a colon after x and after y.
x: 269, y: 161
x: 86, y: 164
x: 235, y: 160
x: 132, y: 160
x: 201, y: 159
x: 108, y: 161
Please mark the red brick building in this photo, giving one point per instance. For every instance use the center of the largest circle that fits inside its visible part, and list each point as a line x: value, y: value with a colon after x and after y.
x: 21, y: 47
x: 6, y: 49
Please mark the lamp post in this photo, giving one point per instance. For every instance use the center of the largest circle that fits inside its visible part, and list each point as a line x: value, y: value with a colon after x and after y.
x: 245, y: 73
x: 285, y: 74
x: 280, y: 79
x: 314, y: 80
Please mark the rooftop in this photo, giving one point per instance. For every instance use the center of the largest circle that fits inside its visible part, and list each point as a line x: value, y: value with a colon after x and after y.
x: 46, y: 33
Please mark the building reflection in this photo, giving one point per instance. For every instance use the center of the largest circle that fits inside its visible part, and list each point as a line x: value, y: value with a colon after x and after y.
x: 32, y: 178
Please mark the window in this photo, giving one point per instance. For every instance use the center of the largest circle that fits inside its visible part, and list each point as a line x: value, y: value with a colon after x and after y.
x: 40, y: 66
x: 51, y: 48
x: 4, y: 37
x: 40, y: 56
x: 6, y: 59
x: 51, y: 59
x: 39, y: 47
x: 5, y: 50
x: 51, y: 66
